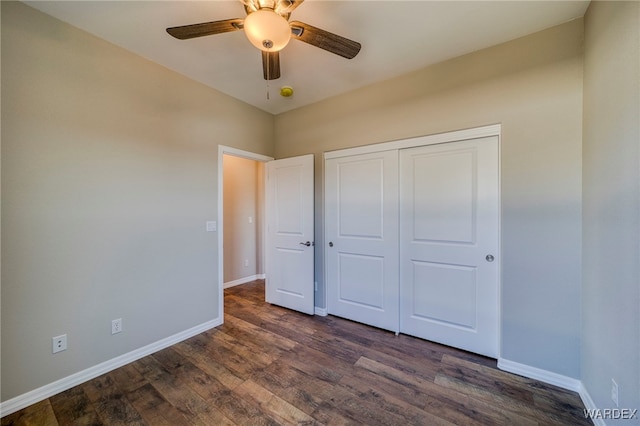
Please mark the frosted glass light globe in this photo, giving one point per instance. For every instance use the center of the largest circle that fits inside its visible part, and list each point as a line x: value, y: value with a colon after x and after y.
x: 267, y: 30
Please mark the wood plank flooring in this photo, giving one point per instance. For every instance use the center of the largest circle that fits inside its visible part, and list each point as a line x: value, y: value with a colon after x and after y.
x: 270, y: 366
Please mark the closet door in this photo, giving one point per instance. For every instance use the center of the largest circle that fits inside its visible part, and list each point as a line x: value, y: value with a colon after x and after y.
x: 449, y: 244
x: 362, y: 238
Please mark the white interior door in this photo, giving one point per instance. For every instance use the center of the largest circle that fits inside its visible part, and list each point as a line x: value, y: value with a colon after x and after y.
x: 361, y: 196
x: 289, y: 253
x: 449, y: 203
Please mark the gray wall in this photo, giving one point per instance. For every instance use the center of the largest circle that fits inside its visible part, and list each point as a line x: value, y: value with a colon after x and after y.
x: 533, y: 87
x: 109, y: 172
x: 611, y: 227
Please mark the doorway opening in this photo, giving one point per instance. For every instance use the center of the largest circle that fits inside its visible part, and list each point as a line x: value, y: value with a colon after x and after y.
x: 243, y: 201
x: 241, y: 218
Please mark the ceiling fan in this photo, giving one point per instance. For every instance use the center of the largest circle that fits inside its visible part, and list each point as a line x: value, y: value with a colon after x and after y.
x: 268, y: 28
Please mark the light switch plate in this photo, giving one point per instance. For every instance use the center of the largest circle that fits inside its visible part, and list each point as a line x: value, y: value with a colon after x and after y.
x: 212, y: 226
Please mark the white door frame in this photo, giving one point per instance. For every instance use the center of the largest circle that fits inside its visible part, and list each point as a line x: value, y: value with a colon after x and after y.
x: 222, y: 150
x: 454, y: 136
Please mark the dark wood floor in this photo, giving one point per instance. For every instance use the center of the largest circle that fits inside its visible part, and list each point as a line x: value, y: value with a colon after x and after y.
x: 270, y: 366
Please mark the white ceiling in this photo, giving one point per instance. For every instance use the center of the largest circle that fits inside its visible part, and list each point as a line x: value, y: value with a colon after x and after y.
x: 397, y: 37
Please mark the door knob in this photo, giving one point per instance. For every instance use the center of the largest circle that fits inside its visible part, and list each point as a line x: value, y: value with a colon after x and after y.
x: 308, y: 244
x: 490, y: 258
x: 330, y: 244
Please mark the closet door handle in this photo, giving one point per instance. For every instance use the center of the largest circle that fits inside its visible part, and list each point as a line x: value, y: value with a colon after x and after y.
x: 308, y: 244
x: 489, y: 258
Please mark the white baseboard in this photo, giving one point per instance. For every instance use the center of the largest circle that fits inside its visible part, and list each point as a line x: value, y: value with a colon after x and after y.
x: 549, y: 377
x: 243, y: 280
x: 320, y: 311
x: 22, y: 401
x: 555, y: 379
x: 590, y: 405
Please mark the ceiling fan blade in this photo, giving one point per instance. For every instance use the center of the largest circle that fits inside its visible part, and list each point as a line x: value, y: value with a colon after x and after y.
x: 325, y: 40
x: 206, y: 28
x: 271, y: 65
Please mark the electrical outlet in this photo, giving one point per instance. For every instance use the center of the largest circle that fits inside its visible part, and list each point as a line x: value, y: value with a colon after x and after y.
x: 116, y: 326
x: 59, y: 343
x: 614, y: 392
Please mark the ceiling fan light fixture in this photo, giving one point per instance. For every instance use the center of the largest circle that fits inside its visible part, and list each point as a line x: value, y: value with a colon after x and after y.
x: 267, y: 30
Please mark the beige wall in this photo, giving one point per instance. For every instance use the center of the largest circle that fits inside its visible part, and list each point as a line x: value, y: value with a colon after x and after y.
x: 533, y: 87
x: 109, y: 172
x: 243, y: 191
x: 611, y: 229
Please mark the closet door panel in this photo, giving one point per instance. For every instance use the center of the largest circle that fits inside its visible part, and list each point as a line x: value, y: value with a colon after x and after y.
x: 443, y: 195
x: 449, y: 244
x: 445, y: 293
x: 362, y: 238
